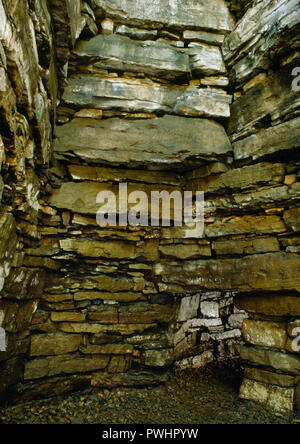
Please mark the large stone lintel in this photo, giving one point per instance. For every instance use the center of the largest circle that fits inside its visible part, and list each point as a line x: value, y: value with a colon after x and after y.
x: 195, y: 14
x: 162, y: 143
x: 266, y: 272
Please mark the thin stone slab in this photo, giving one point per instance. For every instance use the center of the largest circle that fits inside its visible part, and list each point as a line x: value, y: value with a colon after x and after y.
x: 276, y: 139
x: 161, y: 143
x: 194, y: 14
x: 124, y: 54
x: 134, y: 95
x: 263, y: 272
x: 137, y: 33
x: 202, y: 36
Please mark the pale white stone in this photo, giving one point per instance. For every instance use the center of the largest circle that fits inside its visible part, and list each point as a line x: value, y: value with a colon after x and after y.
x: 107, y: 26
x: 195, y: 323
x: 210, y: 309
x: 230, y: 334
x: 236, y: 320
x: 189, y: 308
x: 277, y: 398
x: 199, y: 361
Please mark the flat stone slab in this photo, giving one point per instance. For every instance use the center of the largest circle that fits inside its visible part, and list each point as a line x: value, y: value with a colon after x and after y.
x: 155, y: 58
x: 161, y: 143
x: 195, y: 14
x: 276, y: 139
x: 134, y: 95
x: 124, y: 54
x: 263, y: 272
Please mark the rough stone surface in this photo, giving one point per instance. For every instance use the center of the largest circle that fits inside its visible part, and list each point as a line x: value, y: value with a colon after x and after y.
x: 270, y: 305
x: 269, y: 141
x: 265, y: 376
x: 123, y: 54
x: 171, y: 141
x: 206, y: 60
x: 230, y: 273
x: 214, y: 15
x: 287, y: 363
x: 145, y: 96
x: 139, y: 93
x: 65, y: 364
x: 267, y: 25
x: 276, y: 398
x: 265, y: 334
x: 54, y: 344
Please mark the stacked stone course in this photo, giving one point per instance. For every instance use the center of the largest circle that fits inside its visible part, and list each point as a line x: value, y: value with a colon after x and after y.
x: 162, y: 97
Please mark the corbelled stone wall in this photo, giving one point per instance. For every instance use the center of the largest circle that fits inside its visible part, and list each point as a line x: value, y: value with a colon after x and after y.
x: 265, y: 133
x: 27, y: 108
x: 143, y: 103
x: 144, y: 94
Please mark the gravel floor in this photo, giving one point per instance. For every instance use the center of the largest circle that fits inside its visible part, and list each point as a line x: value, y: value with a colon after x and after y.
x: 189, y: 398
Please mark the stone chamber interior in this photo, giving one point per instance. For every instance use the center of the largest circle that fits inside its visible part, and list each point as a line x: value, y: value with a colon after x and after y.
x: 171, y: 95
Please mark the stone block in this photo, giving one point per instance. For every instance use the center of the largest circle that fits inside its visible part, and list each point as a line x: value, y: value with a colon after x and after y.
x: 202, y: 36
x: 196, y: 362
x: 245, y: 225
x: 110, y: 249
x: 292, y: 218
x: 269, y: 305
x: 103, y: 314
x: 264, y: 333
x: 162, y: 143
x: 210, y: 309
x: 280, y: 138
x: 54, y: 344
x: 143, y: 96
x: 285, y: 362
x: 157, y: 358
x: 122, y: 329
x: 246, y: 246
x: 185, y: 251
x: 130, y: 379
x: 64, y: 364
x: 265, y: 272
x: 178, y: 15
x: 107, y: 349
x: 266, y: 377
x: 119, y: 364
x: 275, y: 398
x: 124, y: 54
x: 206, y: 60
x: 68, y: 316
x: 146, y: 313
x: 107, y: 26
x: 189, y: 307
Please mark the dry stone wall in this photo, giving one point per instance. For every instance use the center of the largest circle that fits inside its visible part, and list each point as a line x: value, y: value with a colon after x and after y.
x: 138, y: 95
x: 264, y: 126
x: 27, y: 103
x: 208, y: 331
x: 173, y: 96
